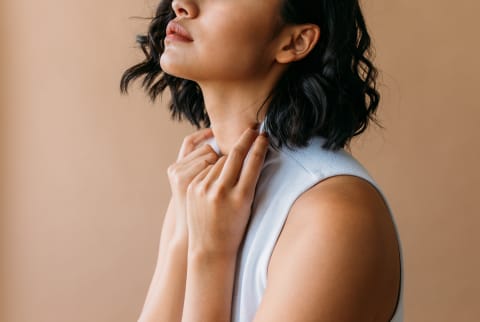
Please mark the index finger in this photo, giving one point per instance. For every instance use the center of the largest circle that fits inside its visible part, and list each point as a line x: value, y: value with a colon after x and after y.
x: 191, y: 141
x: 253, y: 165
x: 236, y: 156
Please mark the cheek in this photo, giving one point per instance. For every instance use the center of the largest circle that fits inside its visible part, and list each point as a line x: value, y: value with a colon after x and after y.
x: 224, y: 49
x: 238, y: 48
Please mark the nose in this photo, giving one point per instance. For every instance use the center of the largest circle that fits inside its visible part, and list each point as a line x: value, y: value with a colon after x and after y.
x: 185, y: 8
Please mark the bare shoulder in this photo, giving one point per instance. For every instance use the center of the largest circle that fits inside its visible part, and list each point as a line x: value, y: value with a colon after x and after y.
x: 336, y: 258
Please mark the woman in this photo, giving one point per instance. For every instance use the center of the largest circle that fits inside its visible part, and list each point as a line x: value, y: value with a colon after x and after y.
x: 284, y: 226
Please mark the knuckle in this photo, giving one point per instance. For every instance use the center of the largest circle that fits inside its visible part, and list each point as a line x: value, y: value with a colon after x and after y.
x: 257, y: 154
x: 188, y: 140
x: 210, y: 150
x: 175, y: 176
x: 171, y: 170
x: 190, y: 190
x: 196, y: 187
x: 237, y: 151
x: 218, y: 192
x: 204, y: 148
x: 199, y: 189
x: 211, y: 157
x: 240, y: 195
x: 177, y: 181
x: 191, y: 187
x: 206, y: 163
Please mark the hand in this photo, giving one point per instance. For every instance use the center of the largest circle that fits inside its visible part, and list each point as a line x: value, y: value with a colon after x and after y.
x: 219, y: 198
x: 191, y: 160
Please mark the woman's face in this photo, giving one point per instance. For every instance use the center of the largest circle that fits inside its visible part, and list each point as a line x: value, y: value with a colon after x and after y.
x: 221, y: 40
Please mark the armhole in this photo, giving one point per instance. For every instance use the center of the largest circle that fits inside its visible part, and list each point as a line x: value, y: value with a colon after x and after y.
x: 397, y: 233
x: 372, y: 183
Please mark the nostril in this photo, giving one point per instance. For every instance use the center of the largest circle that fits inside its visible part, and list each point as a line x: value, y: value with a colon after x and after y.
x: 184, y: 8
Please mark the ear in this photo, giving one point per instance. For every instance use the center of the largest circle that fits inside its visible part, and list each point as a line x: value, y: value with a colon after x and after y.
x: 297, y: 42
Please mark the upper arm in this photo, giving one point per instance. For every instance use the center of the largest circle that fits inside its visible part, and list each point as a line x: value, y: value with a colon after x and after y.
x: 336, y: 258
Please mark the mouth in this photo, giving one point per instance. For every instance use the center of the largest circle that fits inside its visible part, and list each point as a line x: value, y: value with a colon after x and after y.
x: 175, y: 31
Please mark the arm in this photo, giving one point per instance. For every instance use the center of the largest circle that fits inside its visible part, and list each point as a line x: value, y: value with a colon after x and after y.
x: 164, y: 302
x: 336, y: 258
x: 168, y: 283
x: 209, y: 288
x: 219, y: 203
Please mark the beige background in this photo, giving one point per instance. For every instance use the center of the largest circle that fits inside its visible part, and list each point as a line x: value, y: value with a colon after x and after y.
x: 83, y: 169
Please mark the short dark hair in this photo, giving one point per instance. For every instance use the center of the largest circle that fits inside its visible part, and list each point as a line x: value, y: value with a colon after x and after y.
x: 331, y: 92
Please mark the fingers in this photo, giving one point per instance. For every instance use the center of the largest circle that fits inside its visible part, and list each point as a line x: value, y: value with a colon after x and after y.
x: 205, y: 151
x: 202, y: 174
x: 191, y: 141
x: 189, y: 171
x: 253, y: 165
x: 216, y: 170
x: 182, y: 172
x: 241, y: 167
x: 235, y: 158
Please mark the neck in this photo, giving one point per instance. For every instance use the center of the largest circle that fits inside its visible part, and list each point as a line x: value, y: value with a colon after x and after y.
x: 233, y: 108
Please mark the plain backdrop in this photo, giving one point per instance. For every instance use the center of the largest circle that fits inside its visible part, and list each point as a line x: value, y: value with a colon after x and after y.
x: 83, y: 168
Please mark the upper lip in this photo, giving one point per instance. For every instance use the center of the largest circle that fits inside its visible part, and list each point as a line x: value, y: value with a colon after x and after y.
x: 174, y: 27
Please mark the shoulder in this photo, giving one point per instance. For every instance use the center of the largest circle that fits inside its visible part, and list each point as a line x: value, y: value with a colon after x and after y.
x: 337, y: 250
x: 318, y: 162
x: 346, y: 215
x: 338, y: 198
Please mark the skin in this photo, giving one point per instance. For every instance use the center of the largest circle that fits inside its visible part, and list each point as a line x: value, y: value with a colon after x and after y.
x: 338, y: 247
x: 164, y: 301
x: 237, y: 55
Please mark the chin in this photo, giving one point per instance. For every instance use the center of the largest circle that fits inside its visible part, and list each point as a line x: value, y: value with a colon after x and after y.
x: 173, y: 68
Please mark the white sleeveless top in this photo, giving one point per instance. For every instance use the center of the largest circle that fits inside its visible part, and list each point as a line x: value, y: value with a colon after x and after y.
x: 285, y: 175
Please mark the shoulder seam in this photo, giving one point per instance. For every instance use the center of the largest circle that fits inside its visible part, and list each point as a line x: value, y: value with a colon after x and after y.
x: 300, y: 164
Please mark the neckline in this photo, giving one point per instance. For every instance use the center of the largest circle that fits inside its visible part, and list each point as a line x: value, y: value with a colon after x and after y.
x: 213, y: 141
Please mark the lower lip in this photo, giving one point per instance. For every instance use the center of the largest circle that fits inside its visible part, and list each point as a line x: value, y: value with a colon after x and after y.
x: 177, y: 37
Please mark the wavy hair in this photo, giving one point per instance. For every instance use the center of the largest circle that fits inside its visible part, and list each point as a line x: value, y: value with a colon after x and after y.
x: 331, y: 92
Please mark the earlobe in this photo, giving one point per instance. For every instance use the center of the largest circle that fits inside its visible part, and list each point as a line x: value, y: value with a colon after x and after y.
x: 300, y: 42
